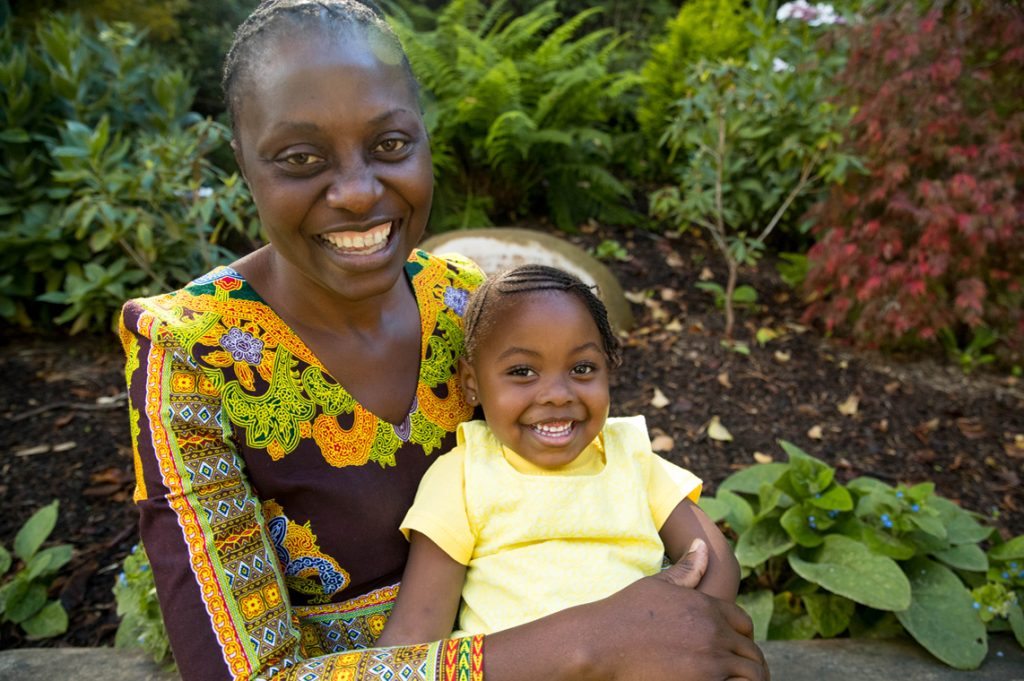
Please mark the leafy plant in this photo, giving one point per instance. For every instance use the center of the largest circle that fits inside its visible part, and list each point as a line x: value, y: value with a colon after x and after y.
x: 24, y: 595
x: 822, y: 559
x: 741, y: 296
x: 973, y: 354
x: 106, y: 187
x: 142, y: 624
x: 931, y: 238
x: 751, y: 140
x: 610, y: 249
x: 707, y: 30
x: 518, y: 109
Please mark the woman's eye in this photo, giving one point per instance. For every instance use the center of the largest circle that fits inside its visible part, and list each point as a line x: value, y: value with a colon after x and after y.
x: 392, y: 144
x: 301, y: 159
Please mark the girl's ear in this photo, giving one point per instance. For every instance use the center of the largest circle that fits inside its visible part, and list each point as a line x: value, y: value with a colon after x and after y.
x: 467, y: 379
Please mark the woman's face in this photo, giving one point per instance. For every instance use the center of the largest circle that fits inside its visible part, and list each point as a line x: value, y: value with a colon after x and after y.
x: 333, y: 148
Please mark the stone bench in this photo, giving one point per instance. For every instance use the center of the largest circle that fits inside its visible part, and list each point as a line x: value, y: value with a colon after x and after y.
x: 833, y: 660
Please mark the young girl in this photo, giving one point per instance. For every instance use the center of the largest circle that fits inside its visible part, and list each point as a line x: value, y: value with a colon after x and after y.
x: 549, y: 504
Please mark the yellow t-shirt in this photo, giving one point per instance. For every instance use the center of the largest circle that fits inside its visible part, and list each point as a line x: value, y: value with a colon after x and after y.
x: 538, y: 540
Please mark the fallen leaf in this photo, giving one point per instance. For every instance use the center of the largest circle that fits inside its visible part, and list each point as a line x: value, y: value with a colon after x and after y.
x: 32, y: 451
x: 63, y: 420
x: 924, y: 429
x: 807, y: 410
x: 814, y: 433
x: 706, y: 275
x: 971, y: 428
x: 781, y: 356
x: 765, y: 335
x: 111, y: 475
x: 662, y: 443
x: 668, y: 294
x: 716, y: 431
x: 659, y: 401
x: 674, y: 260
x: 637, y: 297
x: 883, y: 426
x: 674, y: 326
x: 65, y: 446
x: 892, y: 387
x: 723, y: 380
x: 848, y: 407
x: 761, y: 457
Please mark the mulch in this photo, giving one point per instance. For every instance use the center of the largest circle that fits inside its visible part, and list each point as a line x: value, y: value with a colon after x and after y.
x: 64, y: 430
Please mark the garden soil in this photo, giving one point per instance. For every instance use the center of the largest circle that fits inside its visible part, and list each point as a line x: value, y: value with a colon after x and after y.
x: 64, y: 426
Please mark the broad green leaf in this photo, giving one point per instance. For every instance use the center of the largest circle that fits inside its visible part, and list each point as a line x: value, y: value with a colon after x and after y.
x: 798, y: 525
x: 759, y: 605
x: 875, y: 624
x: 764, y: 539
x: 749, y: 480
x: 964, y: 557
x: 23, y: 599
x: 792, y: 450
x: 52, y: 620
x: 715, y: 509
x: 739, y: 516
x: 5, y: 560
x: 928, y: 524
x: 35, y: 531
x: 846, y: 567
x: 941, y: 617
x: 788, y: 624
x: 1016, y: 618
x: 835, y: 498
x: 830, y: 613
x: 1011, y: 550
x: 866, y: 484
x: 48, y: 561
x: 810, y: 476
x: 961, y: 526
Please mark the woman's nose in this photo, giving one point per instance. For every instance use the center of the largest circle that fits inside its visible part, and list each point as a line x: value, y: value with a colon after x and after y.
x: 354, y: 188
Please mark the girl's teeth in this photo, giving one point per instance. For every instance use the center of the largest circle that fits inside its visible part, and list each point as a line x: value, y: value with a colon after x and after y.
x: 553, y: 428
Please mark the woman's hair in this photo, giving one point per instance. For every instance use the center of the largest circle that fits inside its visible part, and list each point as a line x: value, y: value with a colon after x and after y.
x: 485, y: 304
x: 273, y: 16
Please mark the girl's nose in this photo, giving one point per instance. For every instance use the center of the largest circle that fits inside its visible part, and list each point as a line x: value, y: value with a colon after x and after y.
x: 556, y: 390
x: 355, y: 189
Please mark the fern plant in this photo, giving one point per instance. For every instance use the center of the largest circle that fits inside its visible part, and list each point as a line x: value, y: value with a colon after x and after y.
x: 519, y: 110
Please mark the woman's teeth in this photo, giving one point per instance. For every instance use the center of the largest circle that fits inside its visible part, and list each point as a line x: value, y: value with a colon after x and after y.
x: 361, y: 243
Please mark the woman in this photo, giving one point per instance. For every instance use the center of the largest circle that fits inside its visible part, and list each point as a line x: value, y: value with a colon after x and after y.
x: 283, y: 409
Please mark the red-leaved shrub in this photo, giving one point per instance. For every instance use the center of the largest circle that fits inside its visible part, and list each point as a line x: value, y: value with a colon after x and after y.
x: 933, y: 237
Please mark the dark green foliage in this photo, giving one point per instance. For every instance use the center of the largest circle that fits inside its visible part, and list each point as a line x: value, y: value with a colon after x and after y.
x: 519, y: 111
x: 105, y: 186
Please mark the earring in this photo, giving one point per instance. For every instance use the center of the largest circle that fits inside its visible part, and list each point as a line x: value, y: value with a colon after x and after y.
x: 472, y: 398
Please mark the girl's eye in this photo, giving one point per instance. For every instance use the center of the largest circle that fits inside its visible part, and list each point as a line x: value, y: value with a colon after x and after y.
x: 392, y: 144
x: 520, y: 371
x: 584, y: 368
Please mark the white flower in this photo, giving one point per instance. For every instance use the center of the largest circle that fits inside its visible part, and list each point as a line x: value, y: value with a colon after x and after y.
x: 819, y: 14
x: 779, y: 65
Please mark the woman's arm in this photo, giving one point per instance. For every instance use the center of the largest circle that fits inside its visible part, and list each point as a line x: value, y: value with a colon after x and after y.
x: 428, y: 600
x: 686, y: 523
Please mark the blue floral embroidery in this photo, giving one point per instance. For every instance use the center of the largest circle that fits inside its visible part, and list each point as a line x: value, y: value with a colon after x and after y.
x: 456, y: 299
x: 243, y: 346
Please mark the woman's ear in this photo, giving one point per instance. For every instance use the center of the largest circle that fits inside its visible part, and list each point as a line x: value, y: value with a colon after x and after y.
x: 467, y: 379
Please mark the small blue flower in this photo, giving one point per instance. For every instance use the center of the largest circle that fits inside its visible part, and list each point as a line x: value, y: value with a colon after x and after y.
x: 817, y: 495
x: 976, y: 605
x: 1020, y: 574
x: 144, y: 567
x: 915, y: 508
x: 833, y: 514
x: 1005, y: 575
x: 886, y: 520
x: 121, y: 578
x: 991, y: 609
x: 899, y: 494
x: 1013, y: 565
x: 999, y: 653
x: 811, y: 522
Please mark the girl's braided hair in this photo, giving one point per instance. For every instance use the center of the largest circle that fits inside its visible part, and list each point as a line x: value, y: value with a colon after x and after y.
x: 484, y: 304
x: 272, y: 15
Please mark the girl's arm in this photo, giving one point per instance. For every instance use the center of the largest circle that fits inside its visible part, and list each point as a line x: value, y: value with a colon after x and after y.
x: 686, y: 523
x: 428, y: 600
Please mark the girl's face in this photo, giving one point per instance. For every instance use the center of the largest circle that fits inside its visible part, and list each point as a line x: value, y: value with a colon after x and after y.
x: 333, y: 147
x: 541, y: 375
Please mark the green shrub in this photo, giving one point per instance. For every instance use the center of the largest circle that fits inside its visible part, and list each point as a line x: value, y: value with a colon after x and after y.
x: 106, y: 190
x: 822, y: 559
x: 518, y: 110
x: 142, y: 623
x: 702, y: 29
x: 749, y: 143
x: 24, y: 596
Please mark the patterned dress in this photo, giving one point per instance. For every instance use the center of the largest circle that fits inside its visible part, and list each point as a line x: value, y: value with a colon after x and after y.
x: 269, y: 498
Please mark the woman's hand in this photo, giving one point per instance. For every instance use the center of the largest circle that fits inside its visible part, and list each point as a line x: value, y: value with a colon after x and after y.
x: 657, y: 629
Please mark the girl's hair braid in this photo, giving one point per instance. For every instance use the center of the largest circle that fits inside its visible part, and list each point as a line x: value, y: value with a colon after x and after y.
x: 271, y: 14
x: 484, y: 303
